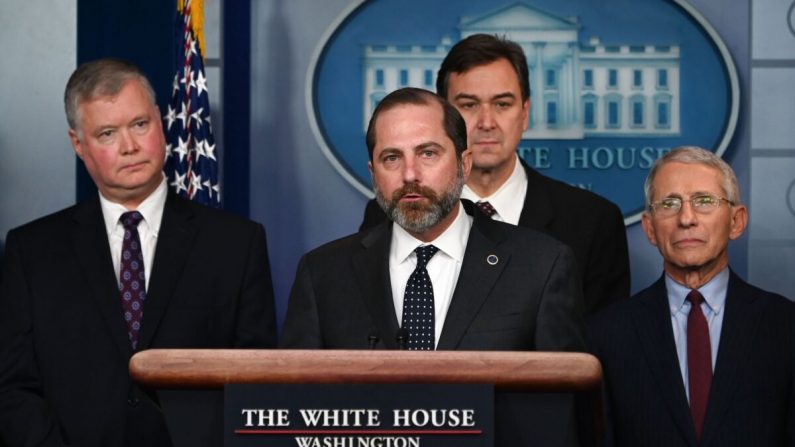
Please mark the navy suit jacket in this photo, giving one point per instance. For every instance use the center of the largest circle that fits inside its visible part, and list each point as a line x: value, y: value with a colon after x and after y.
x: 590, y: 224
x: 64, y: 349
x: 529, y: 300
x: 752, y: 398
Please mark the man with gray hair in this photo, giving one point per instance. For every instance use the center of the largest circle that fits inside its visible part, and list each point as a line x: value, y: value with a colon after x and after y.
x: 700, y: 357
x: 133, y: 268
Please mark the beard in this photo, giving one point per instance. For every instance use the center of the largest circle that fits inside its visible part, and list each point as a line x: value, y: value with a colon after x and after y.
x: 418, y: 217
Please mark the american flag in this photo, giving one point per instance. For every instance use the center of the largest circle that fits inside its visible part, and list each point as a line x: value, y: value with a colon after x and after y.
x: 191, y: 163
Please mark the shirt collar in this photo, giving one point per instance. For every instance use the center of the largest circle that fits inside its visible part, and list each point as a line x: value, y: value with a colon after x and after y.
x: 714, y: 292
x: 504, y: 198
x: 452, y: 241
x: 151, y: 209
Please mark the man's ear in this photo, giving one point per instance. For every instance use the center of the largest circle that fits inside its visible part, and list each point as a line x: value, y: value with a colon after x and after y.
x: 739, y: 221
x: 648, y: 228
x: 466, y: 163
x: 76, y: 144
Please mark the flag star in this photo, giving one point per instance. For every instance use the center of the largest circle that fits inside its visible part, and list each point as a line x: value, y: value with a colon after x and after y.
x: 209, y: 150
x: 196, y: 183
x: 169, y: 150
x: 175, y: 86
x: 210, y: 188
x: 199, y: 149
x: 187, y: 76
x: 181, y: 149
x: 197, y: 117
x: 179, y: 182
x: 171, y: 116
x: 192, y: 43
x: 187, y: 80
x: 201, y: 82
x: 190, y: 78
x: 183, y: 115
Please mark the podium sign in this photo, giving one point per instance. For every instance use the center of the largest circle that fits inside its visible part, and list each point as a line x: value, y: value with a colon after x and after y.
x: 359, y: 415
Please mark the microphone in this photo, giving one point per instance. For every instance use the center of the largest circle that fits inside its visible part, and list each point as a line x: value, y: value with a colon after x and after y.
x: 402, y: 338
x: 372, y: 340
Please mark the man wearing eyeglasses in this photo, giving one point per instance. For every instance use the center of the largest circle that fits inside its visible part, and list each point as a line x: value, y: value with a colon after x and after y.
x: 700, y: 357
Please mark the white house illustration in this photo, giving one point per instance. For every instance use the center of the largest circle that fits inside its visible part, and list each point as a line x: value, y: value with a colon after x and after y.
x: 578, y: 90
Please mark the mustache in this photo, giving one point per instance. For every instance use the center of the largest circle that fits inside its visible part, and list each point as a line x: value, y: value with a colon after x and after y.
x: 413, y: 188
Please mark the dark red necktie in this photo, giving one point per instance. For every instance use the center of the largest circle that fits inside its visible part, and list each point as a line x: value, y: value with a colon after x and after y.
x: 486, y: 207
x: 132, y: 277
x: 699, y: 360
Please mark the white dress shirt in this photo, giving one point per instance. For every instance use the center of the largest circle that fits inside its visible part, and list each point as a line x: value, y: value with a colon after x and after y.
x: 508, y: 199
x: 714, y: 293
x: 152, y: 211
x: 443, y: 268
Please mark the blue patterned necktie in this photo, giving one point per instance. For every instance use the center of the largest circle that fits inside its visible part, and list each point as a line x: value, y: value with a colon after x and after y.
x: 418, y: 308
x: 132, y: 277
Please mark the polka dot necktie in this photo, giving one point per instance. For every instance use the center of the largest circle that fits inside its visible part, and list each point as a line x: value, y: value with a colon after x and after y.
x: 699, y: 360
x: 132, y: 278
x: 487, y: 208
x: 418, y: 309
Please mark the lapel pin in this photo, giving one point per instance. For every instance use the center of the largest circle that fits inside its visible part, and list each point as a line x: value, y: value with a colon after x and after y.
x: 492, y: 259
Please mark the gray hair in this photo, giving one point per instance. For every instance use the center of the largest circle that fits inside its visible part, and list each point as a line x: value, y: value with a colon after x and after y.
x: 100, y: 78
x: 694, y: 155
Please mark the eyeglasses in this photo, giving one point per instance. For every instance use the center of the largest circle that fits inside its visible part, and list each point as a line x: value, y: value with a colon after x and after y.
x: 702, y: 204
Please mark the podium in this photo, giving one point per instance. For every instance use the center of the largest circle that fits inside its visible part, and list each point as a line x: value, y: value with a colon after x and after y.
x: 515, y: 376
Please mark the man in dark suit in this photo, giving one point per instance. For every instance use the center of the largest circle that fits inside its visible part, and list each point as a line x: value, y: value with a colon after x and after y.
x: 84, y: 288
x: 440, y: 275
x: 493, y: 285
x: 486, y: 79
x: 700, y: 358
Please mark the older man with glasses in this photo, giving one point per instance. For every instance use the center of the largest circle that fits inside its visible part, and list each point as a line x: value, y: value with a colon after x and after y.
x: 700, y: 357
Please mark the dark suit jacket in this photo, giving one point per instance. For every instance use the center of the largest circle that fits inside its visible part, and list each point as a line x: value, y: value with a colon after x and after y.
x: 529, y: 300
x: 64, y: 349
x: 591, y: 225
x: 752, y: 399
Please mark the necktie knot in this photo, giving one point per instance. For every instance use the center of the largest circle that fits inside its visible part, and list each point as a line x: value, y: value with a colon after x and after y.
x: 486, y: 208
x: 424, y: 254
x: 695, y: 297
x: 131, y: 219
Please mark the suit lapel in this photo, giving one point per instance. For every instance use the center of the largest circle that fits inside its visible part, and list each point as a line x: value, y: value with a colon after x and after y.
x: 740, y: 323
x: 476, y: 279
x: 537, y: 209
x: 655, y: 333
x: 90, y: 243
x: 371, y: 269
x: 174, y: 244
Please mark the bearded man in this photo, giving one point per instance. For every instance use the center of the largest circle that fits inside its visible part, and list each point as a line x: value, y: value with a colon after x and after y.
x: 438, y: 275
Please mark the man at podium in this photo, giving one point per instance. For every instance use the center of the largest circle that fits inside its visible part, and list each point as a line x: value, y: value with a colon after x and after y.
x: 440, y: 274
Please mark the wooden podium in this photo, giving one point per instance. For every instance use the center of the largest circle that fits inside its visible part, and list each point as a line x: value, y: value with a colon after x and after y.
x: 512, y: 373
